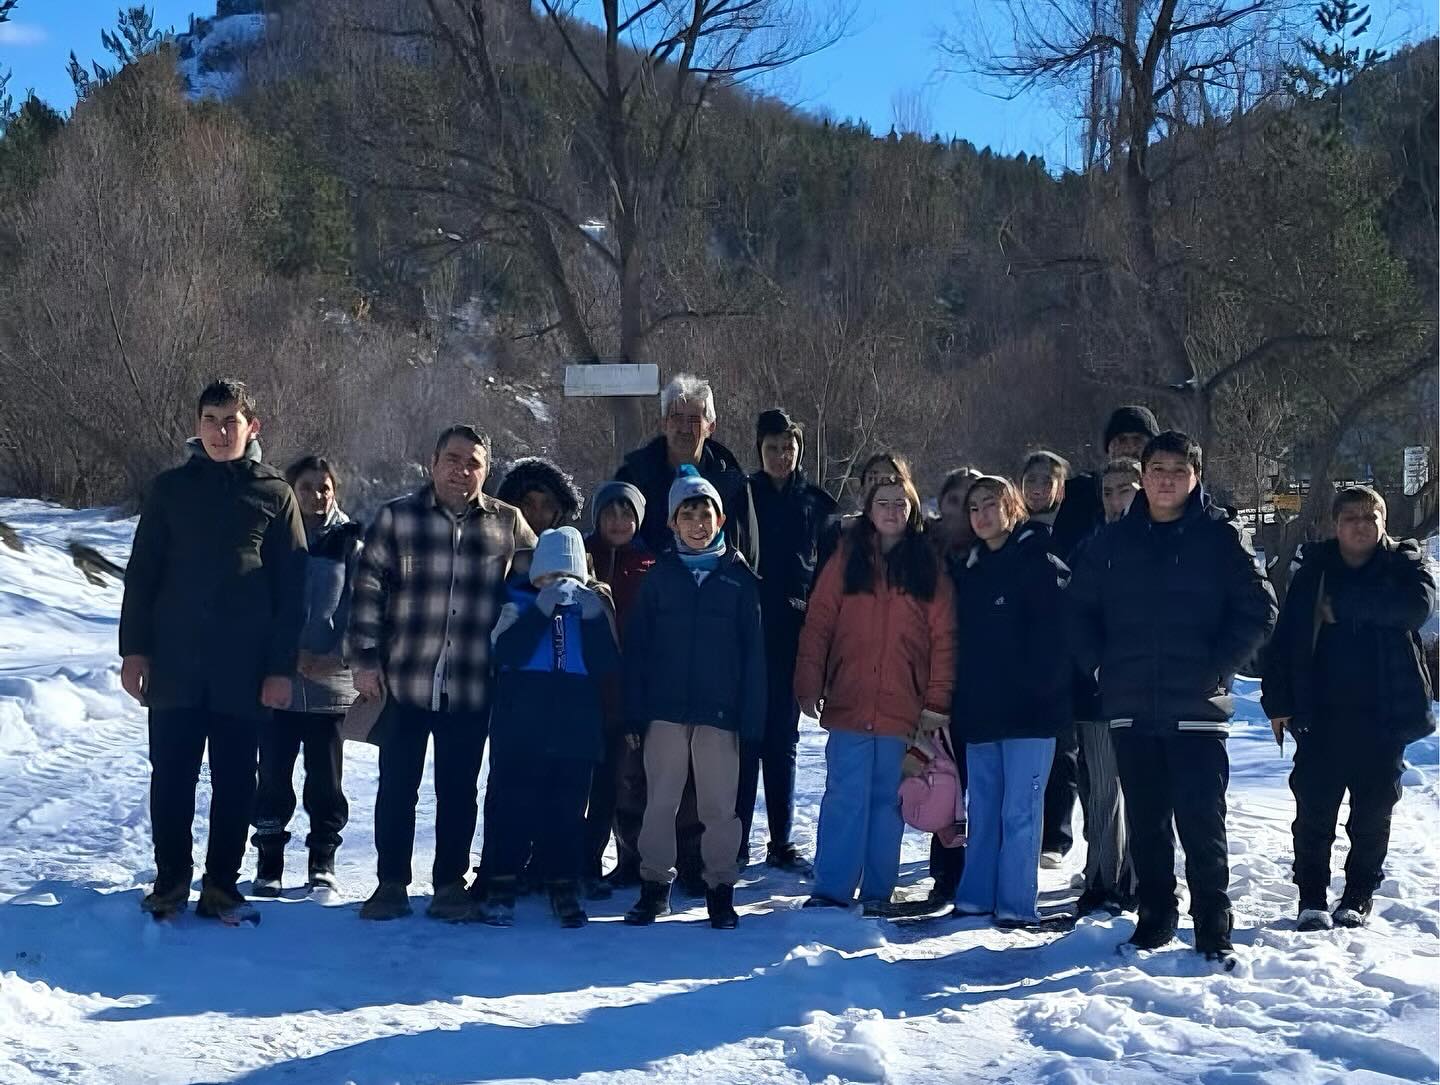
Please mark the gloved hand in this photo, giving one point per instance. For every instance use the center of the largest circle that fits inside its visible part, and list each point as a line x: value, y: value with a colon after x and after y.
x: 591, y: 605
x: 557, y: 594
x: 931, y: 722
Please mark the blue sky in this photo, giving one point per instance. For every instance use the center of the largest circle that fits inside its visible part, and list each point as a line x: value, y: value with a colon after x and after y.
x: 890, y: 52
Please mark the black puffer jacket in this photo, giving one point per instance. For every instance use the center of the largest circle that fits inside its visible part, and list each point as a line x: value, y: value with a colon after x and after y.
x: 1012, y: 669
x: 1385, y: 604
x: 694, y: 653
x: 1080, y: 515
x: 648, y: 470
x: 214, y: 591
x: 790, y: 521
x: 1169, y: 613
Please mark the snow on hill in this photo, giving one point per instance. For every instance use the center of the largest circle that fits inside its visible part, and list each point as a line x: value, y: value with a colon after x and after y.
x: 92, y: 992
x: 211, y: 53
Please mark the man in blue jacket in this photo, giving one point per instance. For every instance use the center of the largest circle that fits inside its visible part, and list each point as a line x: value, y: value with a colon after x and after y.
x: 1168, y: 604
x: 1345, y: 675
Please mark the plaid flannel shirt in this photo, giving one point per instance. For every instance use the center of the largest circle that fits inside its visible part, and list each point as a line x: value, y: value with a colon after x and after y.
x: 428, y: 589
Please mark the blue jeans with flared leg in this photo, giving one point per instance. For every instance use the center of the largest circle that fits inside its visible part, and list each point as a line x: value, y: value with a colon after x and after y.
x: 858, y: 838
x: 1005, y: 805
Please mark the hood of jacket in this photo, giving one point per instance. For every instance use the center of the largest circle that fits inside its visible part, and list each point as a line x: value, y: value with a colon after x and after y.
x: 535, y: 473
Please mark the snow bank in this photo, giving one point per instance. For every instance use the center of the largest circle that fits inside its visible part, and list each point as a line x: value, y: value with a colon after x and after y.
x: 91, y: 993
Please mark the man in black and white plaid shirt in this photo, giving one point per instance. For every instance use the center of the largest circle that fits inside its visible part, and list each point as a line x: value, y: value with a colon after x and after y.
x: 427, y: 592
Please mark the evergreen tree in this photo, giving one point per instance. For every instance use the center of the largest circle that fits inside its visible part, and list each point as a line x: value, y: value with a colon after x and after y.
x: 134, y: 36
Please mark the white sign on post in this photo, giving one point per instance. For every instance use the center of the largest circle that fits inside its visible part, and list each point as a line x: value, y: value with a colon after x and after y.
x: 612, y: 379
x: 1417, y: 469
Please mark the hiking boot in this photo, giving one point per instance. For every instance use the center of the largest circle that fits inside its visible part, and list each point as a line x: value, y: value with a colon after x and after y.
x: 1212, y: 935
x: 653, y: 903
x: 496, y: 907
x: 224, y: 902
x: 391, y: 900
x: 169, y: 896
x: 787, y: 858
x: 450, y: 904
x: 1313, y: 919
x: 720, y: 903
x: 1154, y: 929
x: 269, y: 866
x: 1352, y: 911
x: 322, y: 869
x: 565, y: 903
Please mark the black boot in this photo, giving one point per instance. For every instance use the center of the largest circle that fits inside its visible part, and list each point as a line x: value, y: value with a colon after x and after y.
x: 565, y: 903
x: 720, y: 903
x: 1153, y: 929
x: 653, y: 903
x: 1212, y: 935
x: 322, y: 868
x: 1353, y: 910
x: 269, y: 866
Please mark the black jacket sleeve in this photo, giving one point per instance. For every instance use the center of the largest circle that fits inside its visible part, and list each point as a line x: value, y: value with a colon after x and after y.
x: 1084, y: 605
x: 639, y: 638
x: 1402, y: 597
x: 282, y: 553
x: 1045, y: 580
x: 1249, y: 604
x: 142, y: 580
x: 1078, y: 515
x: 1277, y: 661
x: 753, y: 689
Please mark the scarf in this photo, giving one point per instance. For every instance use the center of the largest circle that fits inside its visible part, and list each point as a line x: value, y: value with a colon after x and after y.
x: 702, y: 561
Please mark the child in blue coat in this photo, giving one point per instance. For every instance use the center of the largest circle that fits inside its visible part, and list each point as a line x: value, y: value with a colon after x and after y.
x: 546, y: 730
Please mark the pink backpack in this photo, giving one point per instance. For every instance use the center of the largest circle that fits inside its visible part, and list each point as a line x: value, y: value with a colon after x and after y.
x: 932, y: 800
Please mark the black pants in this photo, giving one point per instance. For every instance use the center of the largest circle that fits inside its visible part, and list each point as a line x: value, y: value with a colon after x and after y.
x: 459, y: 750
x: 948, y: 864
x: 535, y: 814
x: 617, y: 804
x: 1061, y: 792
x: 1179, y: 780
x: 178, y: 741
x: 775, y: 755
x: 281, y: 739
x: 1329, y: 761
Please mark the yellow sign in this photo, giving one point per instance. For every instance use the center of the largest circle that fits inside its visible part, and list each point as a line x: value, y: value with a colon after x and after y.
x: 1286, y: 502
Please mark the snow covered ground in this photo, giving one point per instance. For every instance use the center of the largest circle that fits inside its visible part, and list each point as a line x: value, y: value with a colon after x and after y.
x: 93, y: 992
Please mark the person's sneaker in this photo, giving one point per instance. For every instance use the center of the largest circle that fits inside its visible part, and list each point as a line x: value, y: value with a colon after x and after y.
x: 1212, y: 935
x: 391, y: 900
x: 1092, y: 900
x: 819, y: 900
x: 787, y: 858
x: 451, y: 903
x: 653, y: 903
x: 169, y: 896
x: 1153, y: 930
x: 224, y: 902
x: 1352, y: 911
x: 321, y: 874
x: 1051, y: 860
x: 565, y: 903
x: 720, y: 903
x: 496, y: 907
x: 269, y: 866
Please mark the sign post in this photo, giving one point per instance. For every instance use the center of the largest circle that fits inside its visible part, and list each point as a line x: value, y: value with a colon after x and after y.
x: 1417, y: 469
x: 612, y: 379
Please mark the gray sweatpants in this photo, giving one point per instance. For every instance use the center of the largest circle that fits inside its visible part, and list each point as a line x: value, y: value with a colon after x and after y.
x: 1107, y: 856
x: 670, y: 750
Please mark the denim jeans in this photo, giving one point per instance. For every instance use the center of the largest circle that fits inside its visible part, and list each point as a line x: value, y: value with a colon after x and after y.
x: 858, y: 838
x: 1005, y: 805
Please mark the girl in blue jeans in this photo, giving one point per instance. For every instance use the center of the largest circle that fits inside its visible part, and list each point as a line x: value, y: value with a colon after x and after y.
x: 877, y: 647
x: 1012, y: 696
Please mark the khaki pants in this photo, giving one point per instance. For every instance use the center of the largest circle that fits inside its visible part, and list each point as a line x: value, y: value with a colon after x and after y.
x: 670, y: 750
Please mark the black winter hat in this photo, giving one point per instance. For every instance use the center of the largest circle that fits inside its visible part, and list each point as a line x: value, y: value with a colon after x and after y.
x: 775, y: 421
x: 1133, y: 418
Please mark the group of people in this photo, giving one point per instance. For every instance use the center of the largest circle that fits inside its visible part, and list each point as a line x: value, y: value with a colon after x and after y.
x: 1047, y: 639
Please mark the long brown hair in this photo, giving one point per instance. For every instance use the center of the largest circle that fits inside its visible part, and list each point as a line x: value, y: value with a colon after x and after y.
x: 910, y: 565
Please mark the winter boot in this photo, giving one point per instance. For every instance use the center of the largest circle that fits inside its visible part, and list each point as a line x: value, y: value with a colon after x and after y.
x: 1353, y: 910
x: 450, y: 904
x: 169, y: 896
x: 653, y: 903
x: 1153, y: 929
x: 720, y: 903
x: 1212, y: 935
x: 269, y: 865
x: 498, y: 907
x: 391, y: 900
x: 565, y: 903
x: 785, y: 857
x: 1314, y: 913
x: 322, y: 869
x: 224, y: 902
